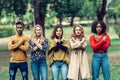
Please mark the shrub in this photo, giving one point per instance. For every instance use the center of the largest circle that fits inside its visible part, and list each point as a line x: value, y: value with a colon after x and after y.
x: 6, y: 31
x: 117, y: 30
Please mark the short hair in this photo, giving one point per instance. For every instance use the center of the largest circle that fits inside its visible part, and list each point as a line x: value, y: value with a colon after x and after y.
x: 54, y: 31
x: 20, y: 23
x: 94, y: 25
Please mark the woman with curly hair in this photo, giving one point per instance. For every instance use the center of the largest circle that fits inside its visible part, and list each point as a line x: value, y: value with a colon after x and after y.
x: 100, y: 42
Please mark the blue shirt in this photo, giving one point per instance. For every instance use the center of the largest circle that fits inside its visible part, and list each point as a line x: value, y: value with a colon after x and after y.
x: 39, y: 54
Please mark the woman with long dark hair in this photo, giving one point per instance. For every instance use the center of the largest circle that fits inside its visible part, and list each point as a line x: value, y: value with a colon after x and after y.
x: 58, y: 54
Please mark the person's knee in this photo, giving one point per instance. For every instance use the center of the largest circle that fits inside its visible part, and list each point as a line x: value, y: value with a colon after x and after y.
x: 12, y: 72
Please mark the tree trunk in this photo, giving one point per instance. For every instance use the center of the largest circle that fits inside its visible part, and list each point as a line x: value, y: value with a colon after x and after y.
x: 115, y: 18
x: 60, y: 19
x: 71, y: 22
x: 38, y: 15
x: 101, y: 14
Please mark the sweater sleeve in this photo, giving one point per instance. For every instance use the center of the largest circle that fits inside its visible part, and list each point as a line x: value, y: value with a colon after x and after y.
x: 95, y: 45
x: 44, y: 45
x: 25, y: 46
x: 78, y: 44
x: 13, y: 44
x: 107, y: 43
x: 75, y: 44
x: 31, y: 46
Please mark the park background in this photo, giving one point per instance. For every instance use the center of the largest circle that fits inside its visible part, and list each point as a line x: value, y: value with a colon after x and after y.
x: 67, y: 13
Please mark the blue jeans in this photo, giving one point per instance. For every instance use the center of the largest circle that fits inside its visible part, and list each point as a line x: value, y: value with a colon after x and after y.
x: 39, y: 68
x: 13, y: 69
x: 59, y: 66
x: 100, y: 60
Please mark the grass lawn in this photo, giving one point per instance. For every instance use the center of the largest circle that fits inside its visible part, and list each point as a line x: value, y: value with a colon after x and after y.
x: 4, y: 61
x: 115, y: 41
x: 114, y: 53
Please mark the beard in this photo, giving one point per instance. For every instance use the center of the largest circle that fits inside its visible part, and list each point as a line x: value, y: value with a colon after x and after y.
x: 19, y: 32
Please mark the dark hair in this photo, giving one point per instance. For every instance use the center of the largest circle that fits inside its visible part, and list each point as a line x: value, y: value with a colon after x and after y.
x: 94, y: 25
x: 20, y: 22
x: 54, y: 31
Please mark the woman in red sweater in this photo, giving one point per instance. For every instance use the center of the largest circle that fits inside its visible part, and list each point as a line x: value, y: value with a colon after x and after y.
x: 100, y: 42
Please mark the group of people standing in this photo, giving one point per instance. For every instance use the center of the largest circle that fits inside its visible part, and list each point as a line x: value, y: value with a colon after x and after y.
x: 66, y: 57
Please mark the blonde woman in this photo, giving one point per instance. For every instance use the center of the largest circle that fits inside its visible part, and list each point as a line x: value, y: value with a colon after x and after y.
x: 38, y: 47
x: 78, y: 67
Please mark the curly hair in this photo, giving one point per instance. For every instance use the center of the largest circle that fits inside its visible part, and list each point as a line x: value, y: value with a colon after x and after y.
x: 94, y: 25
x: 82, y: 32
x: 54, y: 31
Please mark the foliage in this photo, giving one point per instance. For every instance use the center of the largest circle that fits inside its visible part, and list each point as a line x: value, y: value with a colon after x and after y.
x: 113, y: 10
x: 88, y: 9
x: 17, y: 6
x: 60, y: 7
x: 28, y: 17
x: 117, y: 30
x: 50, y: 18
x: 20, y: 7
x: 6, y: 31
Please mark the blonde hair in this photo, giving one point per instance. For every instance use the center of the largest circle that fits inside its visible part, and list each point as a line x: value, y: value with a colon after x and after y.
x: 34, y: 32
x: 82, y: 32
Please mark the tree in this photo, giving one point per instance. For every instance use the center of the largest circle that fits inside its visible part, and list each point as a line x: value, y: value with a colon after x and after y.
x: 100, y: 8
x: 113, y: 10
x: 60, y: 7
x: 20, y: 7
x: 75, y: 9
x: 17, y: 7
x: 40, y: 11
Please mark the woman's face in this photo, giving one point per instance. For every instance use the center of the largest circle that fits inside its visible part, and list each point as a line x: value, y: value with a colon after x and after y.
x: 98, y: 28
x: 77, y: 31
x: 38, y: 31
x: 59, y: 32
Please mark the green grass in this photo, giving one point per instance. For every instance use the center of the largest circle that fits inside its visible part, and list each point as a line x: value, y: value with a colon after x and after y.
x: 115, y: 41
x: 115, y: 47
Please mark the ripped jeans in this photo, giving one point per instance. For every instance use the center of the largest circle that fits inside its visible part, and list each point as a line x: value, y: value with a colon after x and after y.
x: 13, y: 69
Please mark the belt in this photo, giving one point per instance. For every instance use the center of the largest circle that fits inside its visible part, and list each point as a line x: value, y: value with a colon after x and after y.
x: 100, y: 52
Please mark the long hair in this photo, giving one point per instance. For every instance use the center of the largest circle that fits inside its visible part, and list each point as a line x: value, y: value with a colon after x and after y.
x: 54, y: 32
x: 82, y: 32
x: 34, y: 33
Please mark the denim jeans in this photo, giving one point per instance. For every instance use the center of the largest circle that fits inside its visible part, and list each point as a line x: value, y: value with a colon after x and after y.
x: 59, y: 67
x: 39, y: 68
x: 100, y: 60
x: 13, y: 69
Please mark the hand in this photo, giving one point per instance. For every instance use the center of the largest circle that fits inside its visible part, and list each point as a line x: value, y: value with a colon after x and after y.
x: 73, y: 39
x: 34, y: 40
x: 55, y: 40
x: 96, y: 38
x: 83, y: 40
x: 23, y: 42
x: 104, y: 38
x: 42, y: 41
x: 13, y: 42
x: 35, y: 48
x: 62, y: 40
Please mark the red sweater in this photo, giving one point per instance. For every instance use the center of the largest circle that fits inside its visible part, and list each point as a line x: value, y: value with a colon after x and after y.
x: 100, y: 45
